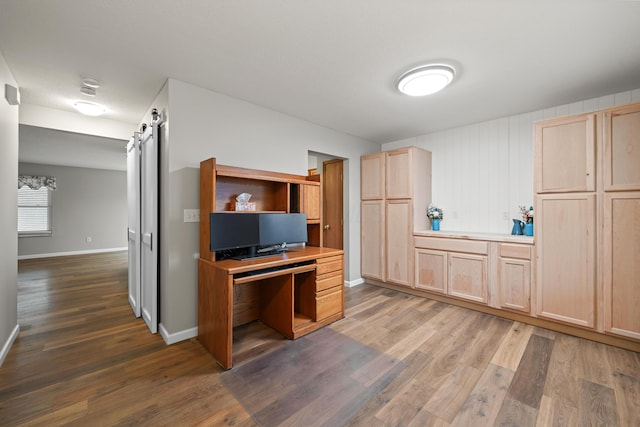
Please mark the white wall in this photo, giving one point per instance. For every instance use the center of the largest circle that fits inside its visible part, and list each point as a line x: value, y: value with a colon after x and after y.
x: 204, y: 124
x: 86, y: 203
x: 484, y: 171
x: 56, y: 147
x: 8, y: 215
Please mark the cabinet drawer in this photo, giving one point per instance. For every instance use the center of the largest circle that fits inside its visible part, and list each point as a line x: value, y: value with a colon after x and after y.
x: 328, y: 302
x: 328, y: 281
x: 515, y: 251
x: 328, y: 265
x: 453, y: 245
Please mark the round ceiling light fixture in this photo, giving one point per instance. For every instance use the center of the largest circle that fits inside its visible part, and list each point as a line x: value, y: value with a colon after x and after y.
x: 89, y: 108
x: 426, y: 79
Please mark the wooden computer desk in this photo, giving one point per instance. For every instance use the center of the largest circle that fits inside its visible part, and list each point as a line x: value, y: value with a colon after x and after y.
x: 295, y: 293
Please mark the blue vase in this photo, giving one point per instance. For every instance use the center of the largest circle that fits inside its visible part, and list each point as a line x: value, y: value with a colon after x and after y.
x: 517, y: 227
x: 528, y: 229
x: 435, y: 224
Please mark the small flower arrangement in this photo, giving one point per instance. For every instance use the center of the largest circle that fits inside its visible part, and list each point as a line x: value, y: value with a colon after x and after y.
x: 527, y: 214
x: 434, y: 212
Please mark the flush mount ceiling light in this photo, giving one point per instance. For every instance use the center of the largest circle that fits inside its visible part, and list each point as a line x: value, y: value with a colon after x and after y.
x: 426, y: 79
x: 89, y: 108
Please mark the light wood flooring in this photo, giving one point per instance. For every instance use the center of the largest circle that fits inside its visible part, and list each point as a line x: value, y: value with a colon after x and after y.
x: 82, y: 358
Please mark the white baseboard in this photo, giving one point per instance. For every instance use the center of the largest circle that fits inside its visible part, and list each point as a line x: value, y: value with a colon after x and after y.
x: 353, y: 283
x: 7, y: 345
x: 54, y: 254
x: 178, y: 336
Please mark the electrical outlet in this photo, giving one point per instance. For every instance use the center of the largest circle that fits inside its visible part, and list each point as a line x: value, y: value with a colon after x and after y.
x: 191, y: 215
x: 505, y: 215
x: 88, y: 239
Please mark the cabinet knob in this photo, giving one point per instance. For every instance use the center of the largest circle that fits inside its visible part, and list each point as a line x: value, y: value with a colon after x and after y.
x: 326, y: 227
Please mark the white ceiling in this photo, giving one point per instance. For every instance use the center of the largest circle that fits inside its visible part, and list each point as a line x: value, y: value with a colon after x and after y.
x: 331, y: 62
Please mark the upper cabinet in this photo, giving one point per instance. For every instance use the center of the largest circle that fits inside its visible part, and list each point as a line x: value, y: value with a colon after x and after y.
x: 565, y: 154
x: 621, y: 137
x: 372, y: 176
x: 398, y: 182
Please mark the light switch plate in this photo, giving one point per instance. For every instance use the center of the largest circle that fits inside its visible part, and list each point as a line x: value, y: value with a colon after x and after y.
x: 192, y: 215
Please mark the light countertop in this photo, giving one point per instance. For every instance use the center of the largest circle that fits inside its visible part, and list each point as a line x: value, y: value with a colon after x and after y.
x: 473, y: 235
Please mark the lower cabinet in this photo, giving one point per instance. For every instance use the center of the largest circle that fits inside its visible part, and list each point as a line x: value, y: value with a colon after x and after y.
x: 566, y: 258
x: 454, y: 267
x: 514, y: 277
x: 468, y: 276
x: 431, y: 270
x: 621, y: 263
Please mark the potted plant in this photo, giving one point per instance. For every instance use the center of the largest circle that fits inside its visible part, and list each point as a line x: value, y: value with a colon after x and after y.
x: 435, y: 214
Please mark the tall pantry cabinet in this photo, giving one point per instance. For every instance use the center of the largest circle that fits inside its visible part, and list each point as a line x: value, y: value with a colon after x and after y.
x: 587, y: 178
x: 395, y: 192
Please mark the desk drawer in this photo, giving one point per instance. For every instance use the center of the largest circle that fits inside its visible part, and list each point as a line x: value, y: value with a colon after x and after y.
x: 328, y: 302
x: 328, y: 265
x: 327, y: 281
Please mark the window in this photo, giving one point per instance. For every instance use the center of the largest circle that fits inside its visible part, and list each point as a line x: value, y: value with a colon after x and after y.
x: 34, y: 211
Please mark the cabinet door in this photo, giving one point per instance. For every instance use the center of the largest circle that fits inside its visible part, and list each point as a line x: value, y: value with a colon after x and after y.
x: 622, y: 148
x: 565, y: 154
x: 566, y: 261
x: 310, y: 201
x: 515, y: 284
x: 468, y: 276
x: 514, y: 277
x: 372, y: 239
x: 372, y: 176
x: 621, y: 263
x: 399, y: 250
x: 399, y: 177
x: 431, y: 270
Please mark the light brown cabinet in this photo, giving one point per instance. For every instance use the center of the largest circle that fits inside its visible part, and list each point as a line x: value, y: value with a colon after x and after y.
x: 431, y: 270
x: 565, y: 154
x: 373, y: 243
x: 514, y: 277
x: 310, y: 202
x: 592, y: 164
x: 621, y: 140
x: 621, y: 263
x: 372, y: 176
x: 468, y: 276
x: 458, y: 268
x: 565, y: 244
x: 395, y: 191
x: 399, y: 242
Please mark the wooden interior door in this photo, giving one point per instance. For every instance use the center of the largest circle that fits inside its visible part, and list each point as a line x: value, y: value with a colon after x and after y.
x: 332, y: 203
x: 133, y: 226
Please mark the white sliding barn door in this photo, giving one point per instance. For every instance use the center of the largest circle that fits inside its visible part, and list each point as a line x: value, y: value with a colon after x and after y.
x: 149, y: 146
x: 133, y: 230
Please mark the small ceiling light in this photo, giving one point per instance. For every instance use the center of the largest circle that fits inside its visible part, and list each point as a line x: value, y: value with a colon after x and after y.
x: 91, y: 82
x: 89, y: 108
x: 89, y: 91
x: 426, y: 79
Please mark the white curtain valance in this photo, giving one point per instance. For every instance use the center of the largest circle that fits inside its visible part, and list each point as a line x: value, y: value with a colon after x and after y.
x: 37, y: 182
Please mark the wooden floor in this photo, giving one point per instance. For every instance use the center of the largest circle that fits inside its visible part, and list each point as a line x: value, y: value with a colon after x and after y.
x: 83, y: 359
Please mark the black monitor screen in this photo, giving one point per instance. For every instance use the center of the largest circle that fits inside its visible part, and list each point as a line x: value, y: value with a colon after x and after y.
x: 234, y: 230
x: 283, y: 228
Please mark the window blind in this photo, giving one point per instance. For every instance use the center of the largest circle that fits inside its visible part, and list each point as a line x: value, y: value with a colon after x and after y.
x: 34, y: 208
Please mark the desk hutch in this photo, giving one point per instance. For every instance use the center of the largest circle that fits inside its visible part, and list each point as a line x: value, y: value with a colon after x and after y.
x: 294, y: 293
